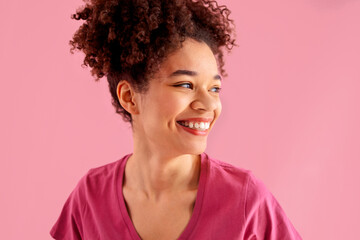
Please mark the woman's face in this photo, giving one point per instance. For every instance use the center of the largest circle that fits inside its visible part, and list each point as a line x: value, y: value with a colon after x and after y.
x: 185, y: 91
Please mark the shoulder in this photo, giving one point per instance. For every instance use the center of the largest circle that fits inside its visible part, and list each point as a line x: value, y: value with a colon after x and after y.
x: 253, y: 191
x: 90, y: 192
x: 237, y: 182
x: 99, y: 179
x: 263, y: 217
x: 104, y: 171
x: 228, y: 173
x: 93, y: 180
x: 230, y: 184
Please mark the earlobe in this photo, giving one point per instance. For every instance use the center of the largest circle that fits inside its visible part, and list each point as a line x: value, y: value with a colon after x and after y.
x: 125, y: 94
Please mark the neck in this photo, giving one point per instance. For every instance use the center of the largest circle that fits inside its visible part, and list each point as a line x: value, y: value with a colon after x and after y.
x: 156, y: 174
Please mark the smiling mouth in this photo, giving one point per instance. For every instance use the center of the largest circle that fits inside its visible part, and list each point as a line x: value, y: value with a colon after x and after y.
x: 199, y: 126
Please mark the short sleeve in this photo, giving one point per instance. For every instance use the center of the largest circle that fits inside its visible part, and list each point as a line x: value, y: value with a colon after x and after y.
x: 264, y: 217
x: 69, y: 224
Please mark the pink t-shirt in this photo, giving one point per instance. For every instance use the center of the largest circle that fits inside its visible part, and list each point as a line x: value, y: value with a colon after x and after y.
x: 231, y: 203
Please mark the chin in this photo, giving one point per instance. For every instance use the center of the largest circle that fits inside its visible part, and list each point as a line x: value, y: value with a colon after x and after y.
x: 194, y: 150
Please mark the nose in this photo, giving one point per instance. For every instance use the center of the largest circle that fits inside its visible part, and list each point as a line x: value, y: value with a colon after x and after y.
x: 205, y: 100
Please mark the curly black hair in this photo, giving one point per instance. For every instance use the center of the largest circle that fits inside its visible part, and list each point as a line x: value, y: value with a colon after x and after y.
x: 128, y: 39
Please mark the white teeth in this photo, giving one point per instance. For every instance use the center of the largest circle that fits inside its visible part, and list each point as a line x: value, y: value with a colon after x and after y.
x: 197, y: 125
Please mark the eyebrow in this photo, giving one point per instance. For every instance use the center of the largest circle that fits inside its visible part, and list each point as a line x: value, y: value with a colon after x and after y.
x: 191, y: 73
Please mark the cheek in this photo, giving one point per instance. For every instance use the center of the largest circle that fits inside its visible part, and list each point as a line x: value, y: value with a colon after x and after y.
x: 220, y: 106
x: 163, y: 110
x: 173, y: 104
x: 218, y: 109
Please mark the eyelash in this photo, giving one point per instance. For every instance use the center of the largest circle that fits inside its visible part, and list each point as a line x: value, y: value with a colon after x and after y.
x: 218, y: 89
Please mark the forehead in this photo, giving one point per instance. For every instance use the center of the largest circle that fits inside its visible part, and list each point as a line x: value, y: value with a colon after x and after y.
x: 193, y: 56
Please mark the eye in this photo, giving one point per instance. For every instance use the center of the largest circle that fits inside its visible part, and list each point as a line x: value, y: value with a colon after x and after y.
x: 217, y: 89
x: 190, y: 86
x: 187, y: 85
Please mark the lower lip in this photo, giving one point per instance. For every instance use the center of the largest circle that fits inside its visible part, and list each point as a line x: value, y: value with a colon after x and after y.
x: 194, y: 131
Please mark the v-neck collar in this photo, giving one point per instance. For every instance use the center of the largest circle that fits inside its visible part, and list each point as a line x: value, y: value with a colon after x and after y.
x: 198, y: 201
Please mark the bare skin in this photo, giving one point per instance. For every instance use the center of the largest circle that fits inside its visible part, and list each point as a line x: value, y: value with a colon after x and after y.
x: 162, y: 175
x: 162, y: 218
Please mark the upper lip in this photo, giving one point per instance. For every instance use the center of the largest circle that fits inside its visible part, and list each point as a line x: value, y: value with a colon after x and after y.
x: 197, y: 119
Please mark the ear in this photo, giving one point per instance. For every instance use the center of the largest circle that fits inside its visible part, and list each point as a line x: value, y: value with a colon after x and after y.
x: 126, y: 96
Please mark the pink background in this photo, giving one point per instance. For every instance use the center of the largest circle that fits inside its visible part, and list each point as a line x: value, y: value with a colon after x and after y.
x: 290, y: 112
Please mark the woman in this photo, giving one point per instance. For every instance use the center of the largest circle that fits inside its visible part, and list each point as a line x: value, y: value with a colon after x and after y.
x: 162, y: 61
